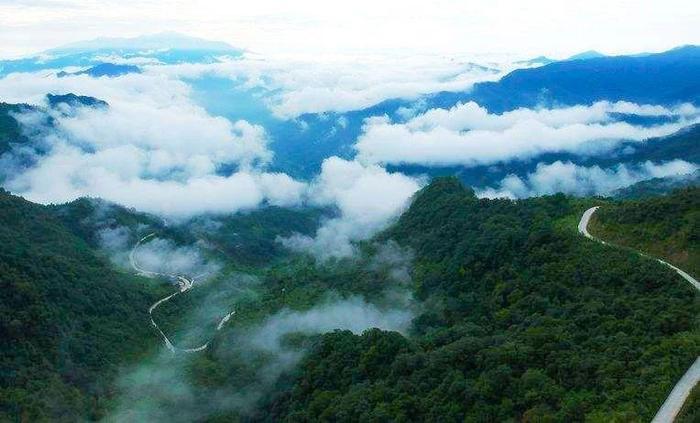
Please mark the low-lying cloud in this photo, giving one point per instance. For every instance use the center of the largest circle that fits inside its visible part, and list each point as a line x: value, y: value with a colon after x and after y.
x: 152, y: 148
x: 163, y: 388
x: 467, y: 134
x: 367, y: 197
x: 569, y: 178
x: 353, y: 314
x: 157, y: 255
x: 163, y: 256
x: 344, y: 83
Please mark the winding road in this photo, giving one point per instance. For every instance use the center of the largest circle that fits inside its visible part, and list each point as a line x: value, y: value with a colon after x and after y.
x: 672, y: 406
x: 185, y: 284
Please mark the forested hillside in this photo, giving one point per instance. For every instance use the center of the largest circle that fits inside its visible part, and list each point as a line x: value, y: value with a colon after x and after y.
x: 516, y: 317
x: 522, y: 320
x: 657, y: 186
x: 68, y: 321
x: 667, y: 227
x: 10, y: 131
x: 87, y: 217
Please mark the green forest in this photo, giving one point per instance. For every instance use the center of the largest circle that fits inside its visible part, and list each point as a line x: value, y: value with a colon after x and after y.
x: 523, y: 321
x: 514, y: 317
x: 68, y: 320
x: 667, y: 226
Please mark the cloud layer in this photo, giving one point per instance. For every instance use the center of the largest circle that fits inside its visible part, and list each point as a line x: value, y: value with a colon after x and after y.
x: 152, y: 149
x: 468, y: 134
x: 569, y: 178
x: 295, y: 86
x: 367, y: 198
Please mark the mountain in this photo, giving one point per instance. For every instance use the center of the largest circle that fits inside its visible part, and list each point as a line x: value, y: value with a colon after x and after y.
x: 670, y: 77
x: 682, y: 145
x: 516, y: 317
x: 666, y: 78
x: 104, y: 69
x: 244, y: 239
x: 86, y: 218
x: 667, y: 226
x: 10, y: 130
x: 657, y: 186
x: 158, y: 41
x: 537, y: 61
x: 589, y: 54
x: 167, y: 47
x: 12, y: 135
x: 72, y: 100
x: 68, y: 320
x: 523, y: 319
x: 251, y: 239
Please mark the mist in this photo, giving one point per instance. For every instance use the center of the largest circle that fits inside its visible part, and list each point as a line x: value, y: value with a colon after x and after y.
x: 569, y: 178
x: 467, y: 134
x: 257, y: 352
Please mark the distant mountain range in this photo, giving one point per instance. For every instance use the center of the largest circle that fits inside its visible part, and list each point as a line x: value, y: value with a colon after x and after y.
x: 658, y: 186
x: 667, y: 78
x: 159, y: 41
x: 104, y: 69
x: 536, y: 61
x: 165, y: 47
x: 670, y: 77
x: 590, y: 54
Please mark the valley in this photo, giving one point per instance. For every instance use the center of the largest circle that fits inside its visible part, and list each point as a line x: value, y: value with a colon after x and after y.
x: 477, y: 222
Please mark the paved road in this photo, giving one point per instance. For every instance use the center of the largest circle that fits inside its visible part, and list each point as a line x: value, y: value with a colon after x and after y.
x: 185, y: 284
x: 673, y: 404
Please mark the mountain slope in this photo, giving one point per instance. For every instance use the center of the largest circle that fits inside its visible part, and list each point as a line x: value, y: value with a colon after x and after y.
x: 523, y: 320
x: 666, y: 227
x: 657, y: 186
x: 67, y: 319
x: 664, y: 78
x: 104, y: 69
x: 10, y: 130
x: 682, y: 145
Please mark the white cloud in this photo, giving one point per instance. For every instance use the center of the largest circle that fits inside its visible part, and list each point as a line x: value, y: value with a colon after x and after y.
x: 163, y: 256
x: 352, y: 314
x: 569, y: 178
x: 150, y: 89
x: 115, y: 175
x: 152, y: 149
x: 367, y: 197
x: 468, y: 134
x: 344, y: 83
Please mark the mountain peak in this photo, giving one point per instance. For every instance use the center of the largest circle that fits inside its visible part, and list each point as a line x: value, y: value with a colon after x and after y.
x: 157, y: 41
x: 589, y: 54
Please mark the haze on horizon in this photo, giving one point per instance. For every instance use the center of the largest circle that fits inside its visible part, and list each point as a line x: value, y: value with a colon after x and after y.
x: 313, y: 27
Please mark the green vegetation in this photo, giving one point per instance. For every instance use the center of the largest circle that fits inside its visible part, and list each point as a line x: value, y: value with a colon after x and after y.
x: 657, y: 186
x: 521, y: 321
x: 68, y: 321
x: 690, y: 413
x: 10, y: 131
x: 516, y: 318
x: 250, y: 238
x: 87, y: 217
x: 667, y: 227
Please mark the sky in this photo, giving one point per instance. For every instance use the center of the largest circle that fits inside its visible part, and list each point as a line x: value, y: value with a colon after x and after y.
x: 312, y: 27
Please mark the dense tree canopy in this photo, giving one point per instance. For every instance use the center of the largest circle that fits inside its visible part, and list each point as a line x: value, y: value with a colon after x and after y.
x: 68, y: 321
x: 522, y: 321
x: 516, y: 317
x: 667, y: 226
